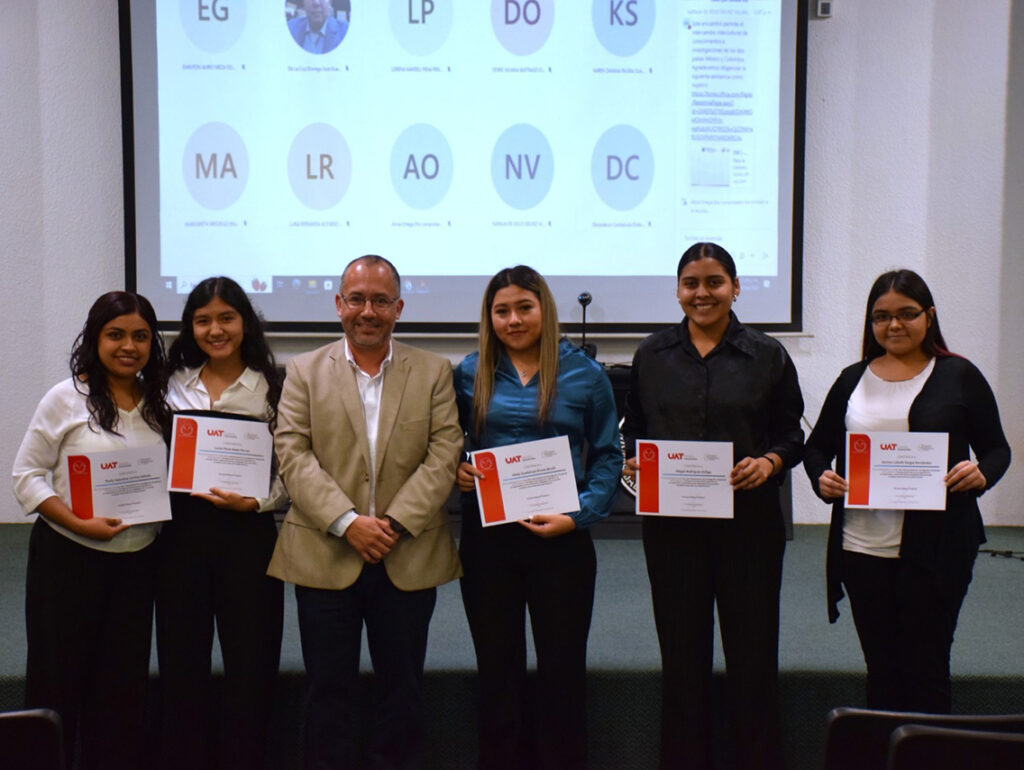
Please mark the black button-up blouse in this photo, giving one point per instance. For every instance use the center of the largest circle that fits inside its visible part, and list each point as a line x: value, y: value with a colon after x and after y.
x: 745, y: 391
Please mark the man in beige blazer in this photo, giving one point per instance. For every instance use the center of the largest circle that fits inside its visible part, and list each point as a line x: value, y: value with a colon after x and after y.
x: 367, y: 440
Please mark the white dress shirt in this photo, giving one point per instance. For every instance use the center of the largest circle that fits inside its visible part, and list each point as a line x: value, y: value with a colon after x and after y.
x: 60, y: 427
x: 370, y: 390
x: 245, y: 396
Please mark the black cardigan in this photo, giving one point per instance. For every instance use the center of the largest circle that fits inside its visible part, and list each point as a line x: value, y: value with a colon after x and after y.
x: 956, y: 400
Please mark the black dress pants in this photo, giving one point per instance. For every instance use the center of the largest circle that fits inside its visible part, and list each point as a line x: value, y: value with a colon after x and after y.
x: 213, y: 566
x: 905, y: 620
x: 507, y: 569
x: 331, y: 625
x: 89, y: 621
x: 695, y: 565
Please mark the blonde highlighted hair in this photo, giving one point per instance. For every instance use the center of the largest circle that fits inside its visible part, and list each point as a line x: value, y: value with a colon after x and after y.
x: 491, y: 347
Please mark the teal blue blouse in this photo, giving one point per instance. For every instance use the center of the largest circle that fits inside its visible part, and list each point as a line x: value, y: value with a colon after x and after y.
x: 583, y: 409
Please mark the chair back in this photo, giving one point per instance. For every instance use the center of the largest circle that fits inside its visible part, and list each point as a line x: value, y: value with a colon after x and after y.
x: 858, y: 739
x: 31, y: 740
x: 913, y: 747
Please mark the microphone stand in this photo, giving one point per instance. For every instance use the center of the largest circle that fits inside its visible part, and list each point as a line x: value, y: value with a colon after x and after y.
x: 585, y: 299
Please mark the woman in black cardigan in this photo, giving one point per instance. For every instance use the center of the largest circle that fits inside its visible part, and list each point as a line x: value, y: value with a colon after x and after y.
x: 907, y: 572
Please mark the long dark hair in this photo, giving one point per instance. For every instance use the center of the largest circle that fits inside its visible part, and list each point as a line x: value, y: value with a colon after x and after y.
x: 910, y: 284
x: 491, y: 348
x: 256, y: 353
x: 88, y: 370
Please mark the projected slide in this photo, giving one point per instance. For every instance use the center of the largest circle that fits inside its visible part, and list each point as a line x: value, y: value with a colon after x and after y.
x: 591, y: 139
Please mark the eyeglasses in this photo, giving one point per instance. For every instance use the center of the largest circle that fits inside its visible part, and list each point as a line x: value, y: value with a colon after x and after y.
x: 882, y: 318
x: 377, y: 301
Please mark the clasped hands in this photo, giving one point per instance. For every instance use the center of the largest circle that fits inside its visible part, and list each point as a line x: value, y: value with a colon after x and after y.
x: 371, y: 537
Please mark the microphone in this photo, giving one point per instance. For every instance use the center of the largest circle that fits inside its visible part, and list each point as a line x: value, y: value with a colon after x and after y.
x: 585, y: 299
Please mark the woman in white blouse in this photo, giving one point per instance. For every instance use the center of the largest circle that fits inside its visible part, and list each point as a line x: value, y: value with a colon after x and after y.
x: 89, y: 589
x: 215, y: 551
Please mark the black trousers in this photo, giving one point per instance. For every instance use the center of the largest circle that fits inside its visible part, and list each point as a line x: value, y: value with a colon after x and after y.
x: 331, y: 626
x: 89, y: 620
x: 695, y: 565
x: 905, y: 620
x: 507, y: 569
x: 213, y: 566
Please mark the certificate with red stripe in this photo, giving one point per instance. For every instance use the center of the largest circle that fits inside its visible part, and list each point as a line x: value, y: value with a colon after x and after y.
x: 684, y: 478
x: 522, y: 480
x: 225, y: 452
x: 126, y: 484
x: 896, y: 470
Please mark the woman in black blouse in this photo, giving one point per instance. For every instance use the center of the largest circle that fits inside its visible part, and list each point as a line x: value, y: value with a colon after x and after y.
x: 907, y: 572
x: 713, y: 379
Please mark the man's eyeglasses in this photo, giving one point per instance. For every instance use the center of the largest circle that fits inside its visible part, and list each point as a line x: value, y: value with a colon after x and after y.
x: 377, y: 301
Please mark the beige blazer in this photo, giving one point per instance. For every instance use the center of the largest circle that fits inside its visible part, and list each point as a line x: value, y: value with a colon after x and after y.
x: 324, y: 459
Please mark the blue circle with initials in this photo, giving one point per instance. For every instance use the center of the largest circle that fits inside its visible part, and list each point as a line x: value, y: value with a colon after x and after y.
x: 623, y: 26
x: 522, y: 166
x: 421, y: 26
x: 622, y: 167
x: 213, y: 25
x: 522, y: 26
x: 215, y: 165
x: 421, y: 166
x: 319, y: 166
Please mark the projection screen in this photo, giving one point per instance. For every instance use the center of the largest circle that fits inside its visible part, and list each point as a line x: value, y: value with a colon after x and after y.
x: 593, y: 140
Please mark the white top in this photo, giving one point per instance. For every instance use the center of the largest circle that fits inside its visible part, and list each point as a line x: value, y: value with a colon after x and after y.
x: 245, y: 396
x: 60, y: 427
x: 370, y: 389
x: 878, y: 404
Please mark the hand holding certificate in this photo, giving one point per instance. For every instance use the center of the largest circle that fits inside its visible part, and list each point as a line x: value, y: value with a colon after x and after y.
x: 227, y: 452
x: 886, y: 469
x: 684, y: 478
x: 125, y: 484
x: 524, y: 480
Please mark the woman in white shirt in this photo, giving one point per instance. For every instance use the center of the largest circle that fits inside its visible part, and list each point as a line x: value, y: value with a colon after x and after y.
x: 215, y: 551
x: 89, y: 589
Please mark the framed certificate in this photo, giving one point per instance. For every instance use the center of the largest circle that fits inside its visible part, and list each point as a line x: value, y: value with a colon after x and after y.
x: 684, y: 478
x: 229, y: 452
x: 522, y: 480
x: 887, y: 469
x: 126, y: 484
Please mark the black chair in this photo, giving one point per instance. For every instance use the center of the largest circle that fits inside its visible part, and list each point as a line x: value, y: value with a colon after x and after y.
x: 915, y: 747
x: 858, y: 739
x: 31, y: 740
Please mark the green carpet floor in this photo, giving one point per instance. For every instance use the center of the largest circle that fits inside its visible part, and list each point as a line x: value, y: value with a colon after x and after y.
x: 821, y: 664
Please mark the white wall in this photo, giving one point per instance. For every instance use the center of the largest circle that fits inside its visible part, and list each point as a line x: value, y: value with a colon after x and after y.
x: 915, y: 158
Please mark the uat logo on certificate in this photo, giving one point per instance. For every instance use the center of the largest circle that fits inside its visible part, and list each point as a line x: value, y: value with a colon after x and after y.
x: 684, y: 478
x: 523, y: 480
x: 126, y: 484
x: 896, y: 470
x: 223, y: 451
